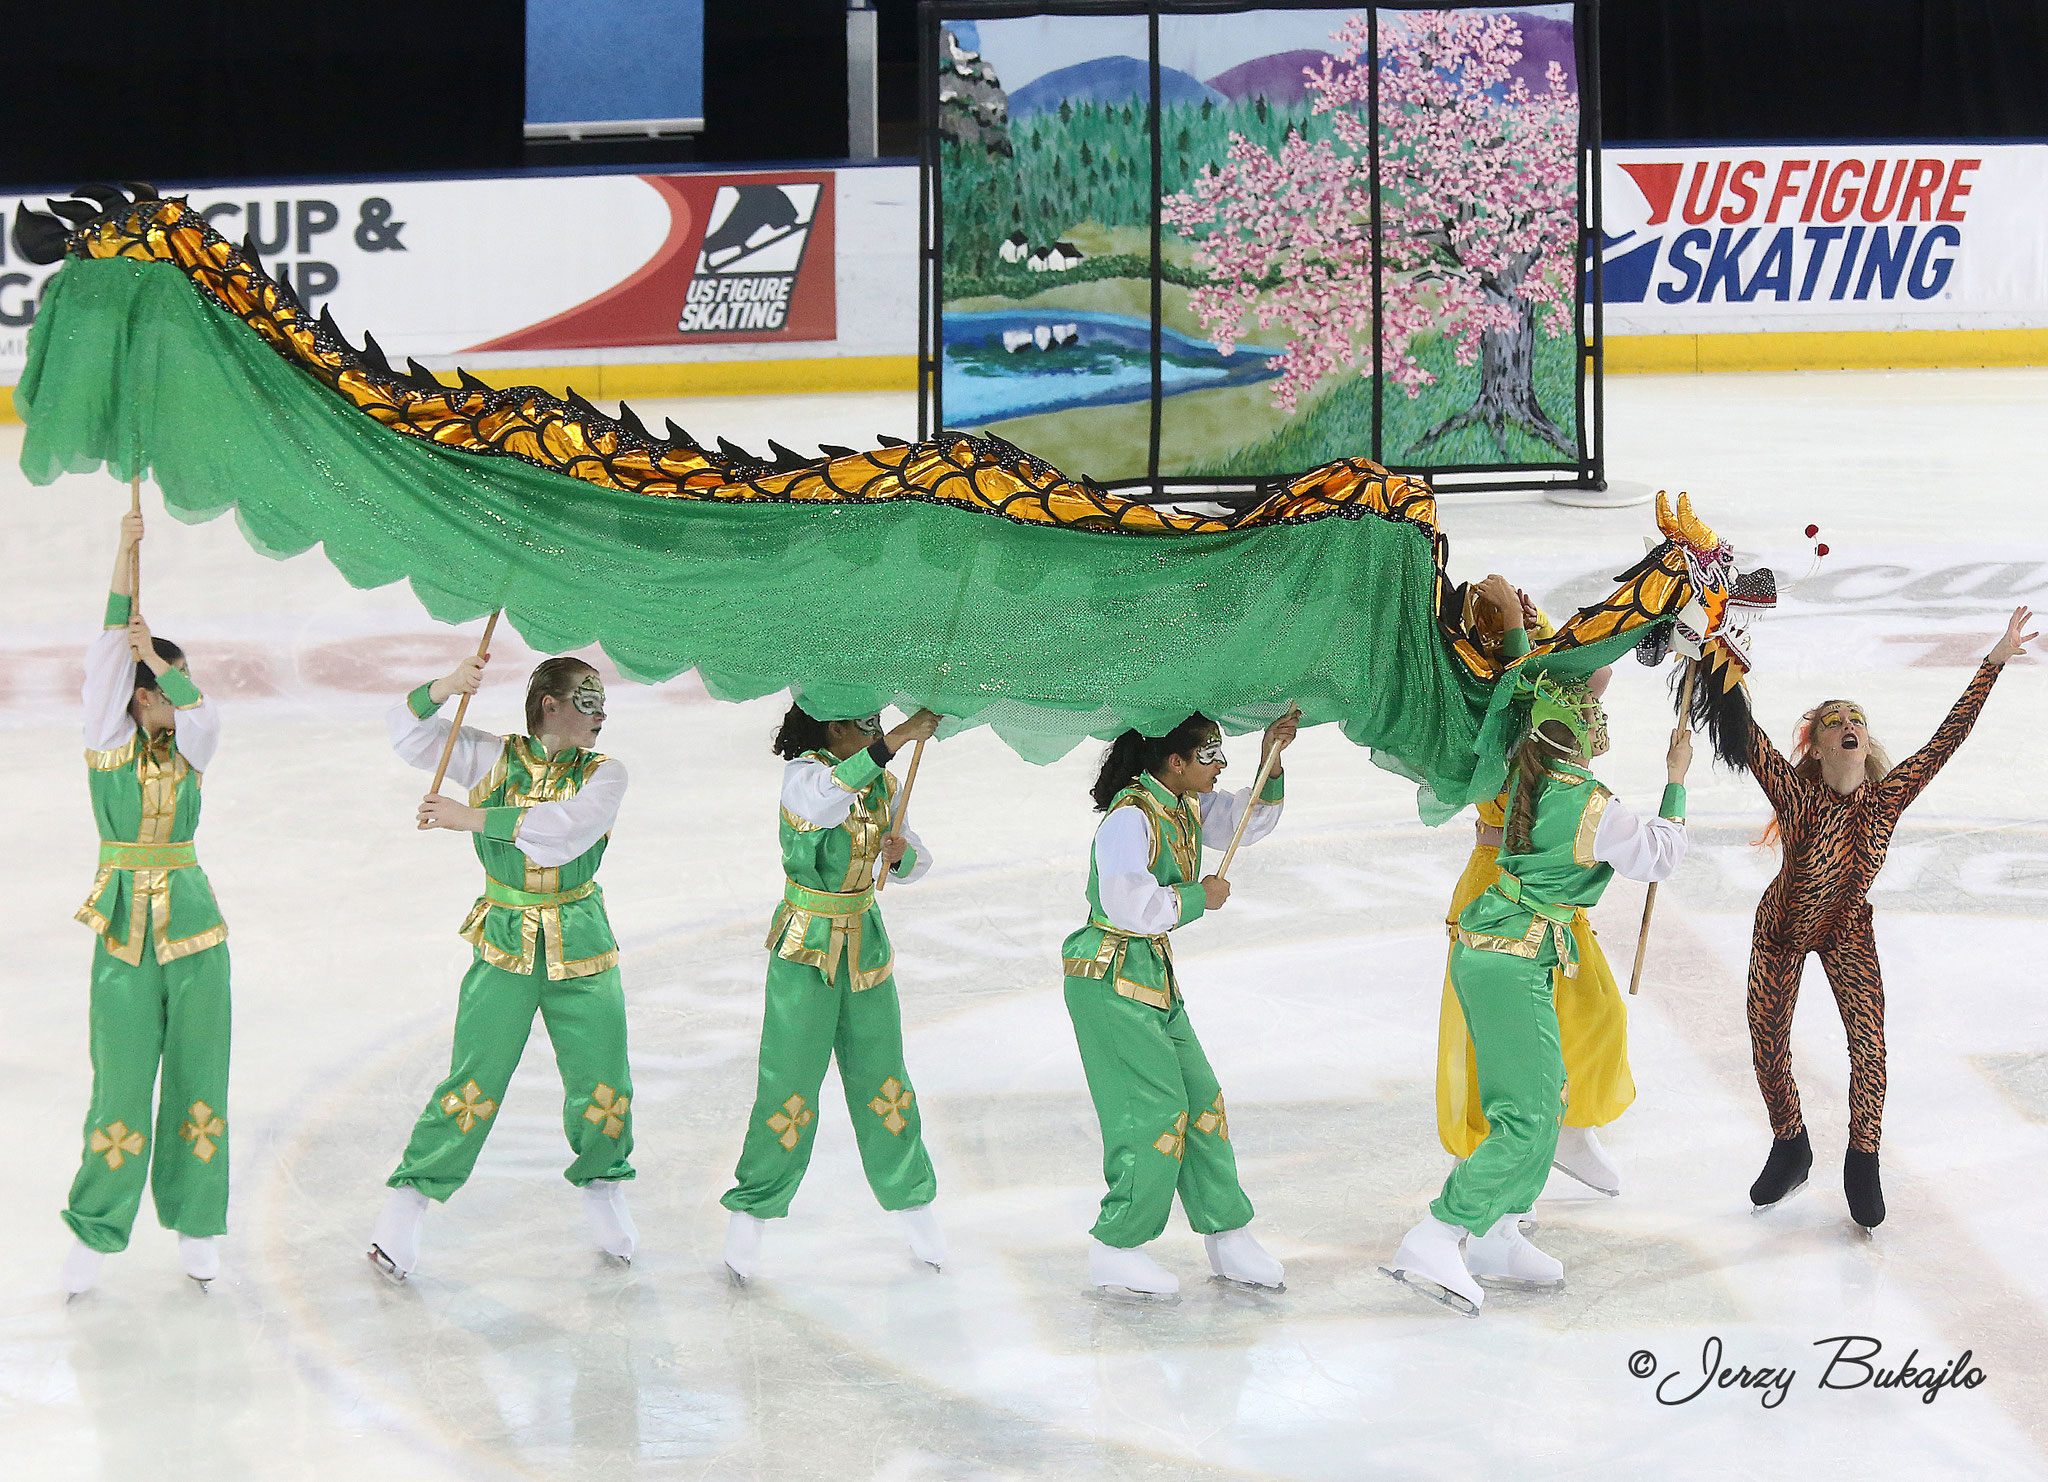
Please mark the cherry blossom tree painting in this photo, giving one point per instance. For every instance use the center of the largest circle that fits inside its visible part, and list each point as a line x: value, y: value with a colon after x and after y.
x: 1478, y: 213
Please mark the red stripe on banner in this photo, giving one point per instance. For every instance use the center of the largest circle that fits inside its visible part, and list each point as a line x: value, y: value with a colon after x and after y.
x: 645, y: 309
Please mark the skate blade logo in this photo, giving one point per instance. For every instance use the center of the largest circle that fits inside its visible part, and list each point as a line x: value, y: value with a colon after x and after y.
x: 746, y: 269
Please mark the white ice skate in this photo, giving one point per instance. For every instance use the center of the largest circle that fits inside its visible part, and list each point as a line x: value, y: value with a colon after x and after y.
x: 1429, y: 1262
x: 395, y: 1238
x: 743, y: 1246
x: 1503, y: 1257
x: 81, y: 1269
x: 1579, y: 1153
x: 200, y: 1256
x: 1129, y: 1274
x: 604, y: 1204
x: 927, y: 1240
x: 1239, y: 1259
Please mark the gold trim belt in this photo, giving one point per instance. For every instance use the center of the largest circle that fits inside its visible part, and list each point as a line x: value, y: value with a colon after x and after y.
x: 1108, y: 963
x: 834, y: 903
x: 123, y: 856
x: 500, y: 894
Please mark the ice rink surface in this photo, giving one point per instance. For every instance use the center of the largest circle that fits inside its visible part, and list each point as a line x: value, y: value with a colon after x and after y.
x: 518, y: 1352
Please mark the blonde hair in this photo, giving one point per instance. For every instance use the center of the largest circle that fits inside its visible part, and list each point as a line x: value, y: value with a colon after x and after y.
x: 1548, y: 742
x: 1806, y: 760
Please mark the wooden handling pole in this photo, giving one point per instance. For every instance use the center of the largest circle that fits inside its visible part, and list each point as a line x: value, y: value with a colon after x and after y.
x: 902, y: 808
x: 1635, y: 977
x: 461, y: 709
x: 1258, y: 786
x: 135, y: 556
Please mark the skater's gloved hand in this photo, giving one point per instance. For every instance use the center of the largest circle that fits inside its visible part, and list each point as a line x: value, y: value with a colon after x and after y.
x: 466, y: 678
x: 918, y: 728
x: 439, y: 812
x: 893, y: 848
x: 1679, y: 758
x: 1215, y: 891
x: 2014, y: 643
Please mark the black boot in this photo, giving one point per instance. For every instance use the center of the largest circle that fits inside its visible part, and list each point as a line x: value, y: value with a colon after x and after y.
x: 1866, y: 1194
x: 1784, y: 1171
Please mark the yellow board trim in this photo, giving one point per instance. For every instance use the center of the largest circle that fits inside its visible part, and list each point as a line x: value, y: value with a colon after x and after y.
x: 1902, y: 349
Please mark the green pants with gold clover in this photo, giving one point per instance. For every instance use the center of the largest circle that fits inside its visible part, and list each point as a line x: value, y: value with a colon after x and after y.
x: 1512, y: 1014
x: 807, y: 1021
x: 586, y: 1020
x: 1164, y: 1128
x: 177, y: 1013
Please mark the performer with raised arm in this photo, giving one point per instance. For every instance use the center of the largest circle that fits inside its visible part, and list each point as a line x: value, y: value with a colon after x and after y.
x: 1835, y: 805
x: 160, y: 961
x: 832, y: 986
x: 542, y: 808
x: 1565, y: 836
x: 1164, y: 1127
x: 1592, y: 1018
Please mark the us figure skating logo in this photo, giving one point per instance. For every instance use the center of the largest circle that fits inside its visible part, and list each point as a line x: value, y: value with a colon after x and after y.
x: 754, y: 244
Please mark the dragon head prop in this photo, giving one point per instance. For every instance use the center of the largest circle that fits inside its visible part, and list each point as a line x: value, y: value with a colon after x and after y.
x: 1713, y: 626
x: 1685, y: 595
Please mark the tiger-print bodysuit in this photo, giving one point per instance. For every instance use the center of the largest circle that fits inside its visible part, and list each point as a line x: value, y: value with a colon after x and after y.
x: 1834, y: 846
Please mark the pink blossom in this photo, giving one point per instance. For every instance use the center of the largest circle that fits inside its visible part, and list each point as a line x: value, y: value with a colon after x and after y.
x: 1478, y: 205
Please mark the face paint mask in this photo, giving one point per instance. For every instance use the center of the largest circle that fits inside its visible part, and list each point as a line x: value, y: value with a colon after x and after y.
x: 868, y: 725
x: 588, y: 696
x: 1210, y: 752
x: 1840, y: 716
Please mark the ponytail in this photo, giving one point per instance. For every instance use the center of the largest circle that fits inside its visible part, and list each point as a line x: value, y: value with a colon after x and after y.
x: 1131, y: 754
x: 799, y: 734
x: 1548, y: 740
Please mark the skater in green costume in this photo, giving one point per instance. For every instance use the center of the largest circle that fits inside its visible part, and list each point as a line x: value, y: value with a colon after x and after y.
x: 832, y: 986
x: 542, y: 808
x: 1164, y: 1128
x: 1565, y: 837
x: 160, y: 964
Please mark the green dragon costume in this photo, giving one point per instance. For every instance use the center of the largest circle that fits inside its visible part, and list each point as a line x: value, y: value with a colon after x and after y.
x: 1327, y: 589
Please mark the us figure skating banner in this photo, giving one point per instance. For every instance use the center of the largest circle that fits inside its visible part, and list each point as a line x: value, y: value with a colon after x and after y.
x: 1839, y: 235
x: 1340, y: 231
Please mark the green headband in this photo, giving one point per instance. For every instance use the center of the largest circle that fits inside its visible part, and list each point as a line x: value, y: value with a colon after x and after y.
x: 1571, y: 703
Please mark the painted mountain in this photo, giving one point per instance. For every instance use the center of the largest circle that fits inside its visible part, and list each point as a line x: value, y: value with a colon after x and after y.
x: 1106, y: 80
x: 1276, y: 78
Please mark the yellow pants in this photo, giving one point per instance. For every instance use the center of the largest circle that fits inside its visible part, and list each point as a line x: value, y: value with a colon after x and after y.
x: 1592, y: 1024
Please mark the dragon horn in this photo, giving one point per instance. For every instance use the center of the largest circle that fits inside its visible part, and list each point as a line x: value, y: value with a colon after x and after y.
x: 1693, y: 528
x: 1666, y: 525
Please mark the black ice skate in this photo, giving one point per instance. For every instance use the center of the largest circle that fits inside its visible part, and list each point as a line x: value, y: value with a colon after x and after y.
x: 1866, y: 1194
x: 1784, y: 1172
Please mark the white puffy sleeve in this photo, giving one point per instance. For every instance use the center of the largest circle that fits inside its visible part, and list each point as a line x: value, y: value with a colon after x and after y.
x: 1131, y: 899
x: 418, y: 740
x: 198, y: 730
x: 109, y: 686
x: 920, y: 859
x: 1221, y: 811
x: 552, y: 834
x: 1641, y: 848
x: 813, y: 793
